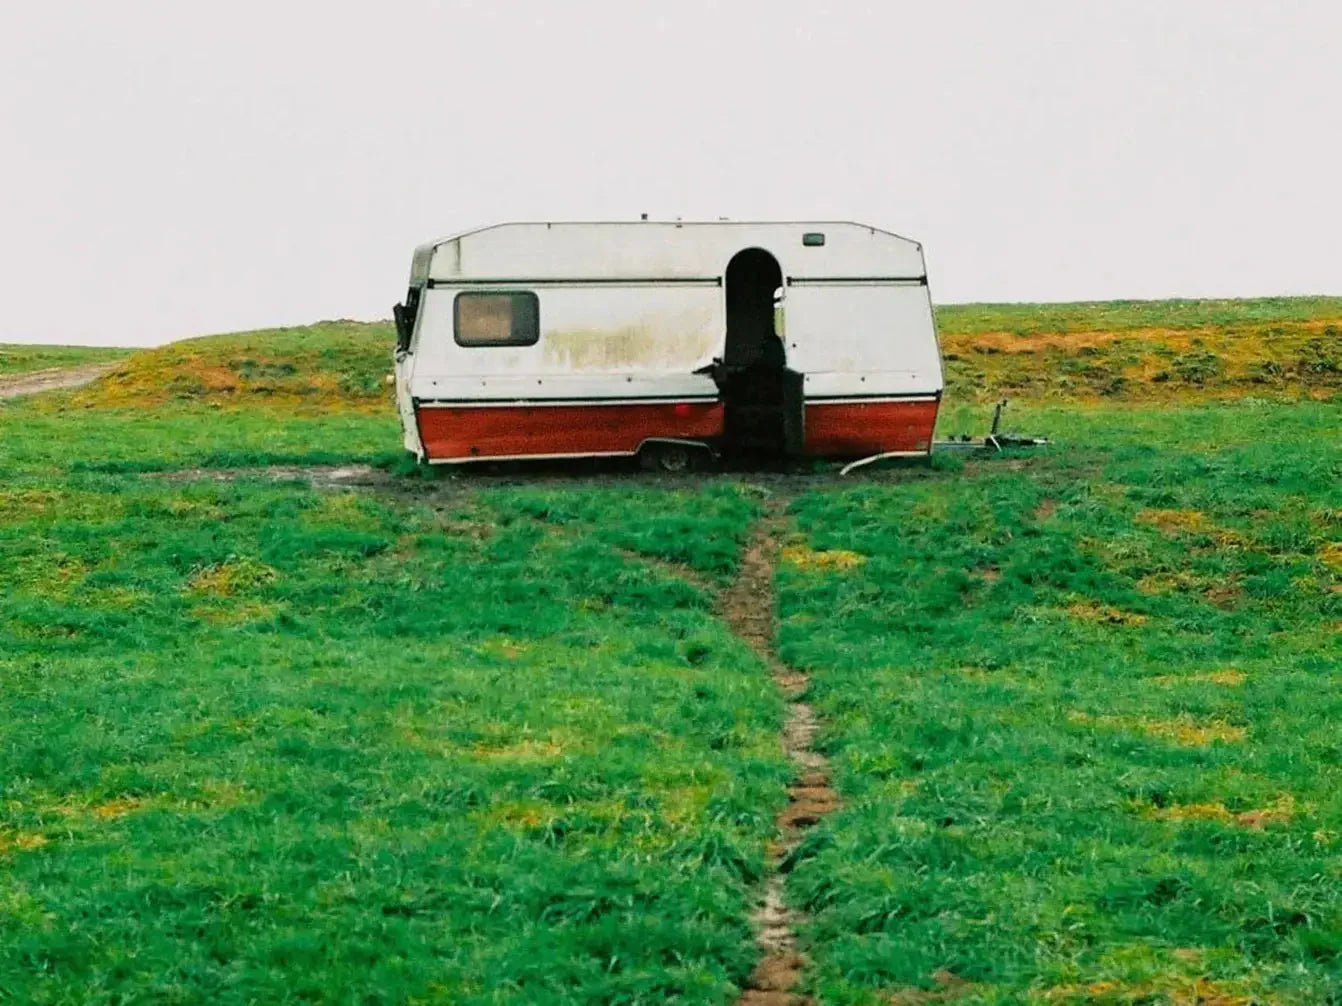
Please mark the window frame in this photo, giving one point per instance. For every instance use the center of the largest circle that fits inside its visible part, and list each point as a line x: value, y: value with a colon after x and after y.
x: 498, y: 344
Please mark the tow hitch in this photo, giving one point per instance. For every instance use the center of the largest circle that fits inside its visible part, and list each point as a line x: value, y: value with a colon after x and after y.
x: 996, y: 440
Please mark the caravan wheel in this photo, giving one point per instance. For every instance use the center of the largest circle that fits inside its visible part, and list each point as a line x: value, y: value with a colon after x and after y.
x: 673, y: 456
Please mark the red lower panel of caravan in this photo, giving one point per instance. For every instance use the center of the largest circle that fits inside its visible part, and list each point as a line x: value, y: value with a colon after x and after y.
x: 852, y: 429
x: 463, y: 433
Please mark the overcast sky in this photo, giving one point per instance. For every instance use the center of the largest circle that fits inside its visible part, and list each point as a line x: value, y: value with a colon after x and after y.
x: 172, y: 168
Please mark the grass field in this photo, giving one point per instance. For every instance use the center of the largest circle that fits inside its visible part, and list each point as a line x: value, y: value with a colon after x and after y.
x: 22, y: 359
x: 1085, y: 713
x: 478, y: 742
x: 262, y: 744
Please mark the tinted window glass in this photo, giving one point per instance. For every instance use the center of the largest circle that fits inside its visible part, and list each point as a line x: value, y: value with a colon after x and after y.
x: 497, y: 319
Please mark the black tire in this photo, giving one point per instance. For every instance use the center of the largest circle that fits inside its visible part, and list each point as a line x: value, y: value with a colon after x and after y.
x: 672, y: 458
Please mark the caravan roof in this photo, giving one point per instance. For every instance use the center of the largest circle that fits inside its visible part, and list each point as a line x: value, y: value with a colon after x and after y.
x: 664, y: 251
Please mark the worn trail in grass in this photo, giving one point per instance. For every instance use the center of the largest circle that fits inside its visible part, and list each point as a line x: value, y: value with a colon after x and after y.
x: 749, y: 607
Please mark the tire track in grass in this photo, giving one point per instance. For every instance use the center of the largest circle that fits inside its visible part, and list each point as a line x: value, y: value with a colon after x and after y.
x: 749, y: 607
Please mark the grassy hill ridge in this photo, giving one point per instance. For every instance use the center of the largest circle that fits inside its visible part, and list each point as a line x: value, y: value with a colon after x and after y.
x: 1120, y: 315
x: 1117, y: 350
x: 326, y: 366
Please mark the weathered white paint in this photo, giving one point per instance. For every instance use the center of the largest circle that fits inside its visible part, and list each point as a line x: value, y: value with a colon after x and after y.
x: 854, y: 338
x: 658, y: 250
x: 858, y: 317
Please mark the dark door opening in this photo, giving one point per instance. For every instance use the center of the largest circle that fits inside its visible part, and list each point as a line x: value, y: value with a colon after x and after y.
x: 763, y: 398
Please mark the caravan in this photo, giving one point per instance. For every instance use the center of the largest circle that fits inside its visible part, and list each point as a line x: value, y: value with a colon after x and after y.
x: 669, y: 340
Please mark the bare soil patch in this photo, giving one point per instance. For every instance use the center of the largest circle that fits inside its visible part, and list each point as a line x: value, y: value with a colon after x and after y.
x: 37, y: 381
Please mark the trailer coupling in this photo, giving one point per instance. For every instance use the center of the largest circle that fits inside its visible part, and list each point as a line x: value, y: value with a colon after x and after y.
x: 996, y: 440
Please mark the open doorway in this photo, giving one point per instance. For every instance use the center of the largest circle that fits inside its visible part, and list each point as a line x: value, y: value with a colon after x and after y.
x: 753, y: 281
x: 762, y: 396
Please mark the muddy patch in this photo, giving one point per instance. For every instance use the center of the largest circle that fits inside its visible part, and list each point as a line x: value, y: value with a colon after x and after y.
x: 749, y: 607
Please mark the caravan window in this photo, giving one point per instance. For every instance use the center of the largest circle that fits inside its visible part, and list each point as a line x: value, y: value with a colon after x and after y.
x: 497, y: 319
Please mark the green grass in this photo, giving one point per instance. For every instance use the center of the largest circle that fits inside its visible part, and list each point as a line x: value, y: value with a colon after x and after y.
x: 1083, y: 712
x: 265, y: 745
x: 1116, y: 315
x: 328, y: 366
x: 46, y: 435
x: 260, y: 743
x: 21, y: 359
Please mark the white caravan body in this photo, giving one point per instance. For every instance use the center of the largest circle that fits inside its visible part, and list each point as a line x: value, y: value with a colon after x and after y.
x: 568, y: 339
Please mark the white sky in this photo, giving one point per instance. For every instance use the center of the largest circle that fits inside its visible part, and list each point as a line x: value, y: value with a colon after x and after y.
x: 174, y: 168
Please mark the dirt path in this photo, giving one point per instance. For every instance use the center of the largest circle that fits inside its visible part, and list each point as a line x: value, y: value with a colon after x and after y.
x: 749, y: 607
x: 51, y: 380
